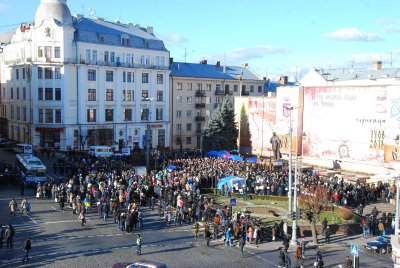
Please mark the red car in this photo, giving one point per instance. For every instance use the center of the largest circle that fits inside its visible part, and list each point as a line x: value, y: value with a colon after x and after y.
x: 140, y: 264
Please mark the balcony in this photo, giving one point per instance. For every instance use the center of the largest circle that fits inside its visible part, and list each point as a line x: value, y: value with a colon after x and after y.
x: 200, y: 118
x: 200, y: 105
x: 219, y: 92
x: 245, y: 93
x: 200, y: 93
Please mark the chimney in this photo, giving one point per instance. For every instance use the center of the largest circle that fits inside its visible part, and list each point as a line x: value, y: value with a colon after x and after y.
x: 149, y: 30
x: 171, y: 61
x: 246, y: 65
x: 377, y: 65
x: 283, y: 80
x: 218, y: 64
x: 203, y: 62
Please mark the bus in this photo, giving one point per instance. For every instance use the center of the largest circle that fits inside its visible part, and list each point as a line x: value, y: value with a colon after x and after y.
x: 100, y: 151
x: 23, y: 148
x: 30, y: 169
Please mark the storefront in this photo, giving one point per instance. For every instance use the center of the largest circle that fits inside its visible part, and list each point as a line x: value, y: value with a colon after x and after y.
x: 49, y: 137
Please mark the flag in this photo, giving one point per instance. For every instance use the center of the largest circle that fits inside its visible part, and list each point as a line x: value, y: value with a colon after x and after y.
x: 240, y: 76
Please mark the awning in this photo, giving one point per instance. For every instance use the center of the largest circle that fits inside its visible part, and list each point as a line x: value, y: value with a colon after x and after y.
x: 50, y: 129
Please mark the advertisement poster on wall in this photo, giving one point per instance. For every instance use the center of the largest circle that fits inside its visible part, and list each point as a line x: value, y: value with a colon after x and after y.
x: 348, y: 123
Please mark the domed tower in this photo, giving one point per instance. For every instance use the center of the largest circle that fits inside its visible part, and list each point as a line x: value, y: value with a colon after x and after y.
x: 53, y: 9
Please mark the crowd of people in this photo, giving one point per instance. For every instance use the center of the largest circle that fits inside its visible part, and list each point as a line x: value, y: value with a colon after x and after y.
x: 111, y: 187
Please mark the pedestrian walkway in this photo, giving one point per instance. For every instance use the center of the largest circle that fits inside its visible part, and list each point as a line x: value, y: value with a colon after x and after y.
x: 380, y: 206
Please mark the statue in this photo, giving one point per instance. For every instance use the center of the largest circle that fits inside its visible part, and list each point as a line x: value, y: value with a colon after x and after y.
x: 276, y: 145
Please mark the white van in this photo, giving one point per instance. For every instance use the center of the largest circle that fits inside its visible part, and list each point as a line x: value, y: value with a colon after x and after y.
x: 100, y: 151
x: 23, y: 148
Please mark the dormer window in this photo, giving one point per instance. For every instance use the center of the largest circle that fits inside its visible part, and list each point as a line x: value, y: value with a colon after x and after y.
x: 102, y: 39
x: 125, y: 41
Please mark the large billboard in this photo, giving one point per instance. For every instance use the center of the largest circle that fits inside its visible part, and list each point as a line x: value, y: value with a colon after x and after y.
x: 351, y: 123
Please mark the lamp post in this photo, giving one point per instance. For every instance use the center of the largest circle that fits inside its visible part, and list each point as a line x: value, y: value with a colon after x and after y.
x: 396, y: 225
x: 296, y: 182
x: 290, y: 158
x: 148, y: 134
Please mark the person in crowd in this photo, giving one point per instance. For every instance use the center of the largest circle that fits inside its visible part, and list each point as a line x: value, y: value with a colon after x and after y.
x: 27, y: 247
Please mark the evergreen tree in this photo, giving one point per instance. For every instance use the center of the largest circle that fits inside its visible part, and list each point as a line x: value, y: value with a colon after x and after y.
x: 220, y: 132
x: 245, y: 134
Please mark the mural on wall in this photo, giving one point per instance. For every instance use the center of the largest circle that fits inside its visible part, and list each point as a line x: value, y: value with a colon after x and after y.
x: 348, y: 123
x: 261, y: 120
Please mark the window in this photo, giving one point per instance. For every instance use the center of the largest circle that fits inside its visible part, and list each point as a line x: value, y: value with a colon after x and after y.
x: 160, y: 79
x: 112, y: 57
x: 199, y: 86
x: 123, y: 95
x: 159, y: 95
x: 145, y: 78
x: 102, y: 39
x: 94, y: 56
x: 57, y: 94
x: 17, y: 93
x: 128, y: 114
x: 40, y: 93
x: 18, y: 113
x: 145, y: 94
x: 188, y: 140
x: 40, y: 52
x: 142, y: 60
x: 40, y: 73
x: 178, y: 113
x: 12, y: 93
x: 48, y: 73
x: 47, y: 51
x: 259, y: 89
x: 109, y: 76
x: 48, y: 94
x: 129, y: 77
x: 159, y: 114
x: 235, y: 88
x: 109, y: 95
x: 145, y: 114
x: 188, y: 127
x: 129, y: 95
x: 189, y: 100
x: 48, y: 116
x: 147, y: 60
x: 40, y: 115
x: 251, y: 88
x: 57, y: 73
x: 106, y: 56
x: 208, y: 87
x: 109, y: 115
x: 17, y: 74
x: 24, y: 93
x: 179, y: 86
x: 125, y: 41
x: 91, y: 75
x: 87, y: 55
x: 12, y: 111
x: 189, y: 113
x: 179, y: 100
x: 58, y: 116
x: 124, y: 77
x: 91, y: 94
x: 189, y: 86
x: 218, y: 87
x: 178, y: 127
x: 57, y: 52
x: 23, y: 73
x: 24, y: 113
x: 91, y: 115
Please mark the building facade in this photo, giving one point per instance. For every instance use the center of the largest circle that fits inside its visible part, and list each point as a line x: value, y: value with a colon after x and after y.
x: 72, y: 82
x: 197, y: 90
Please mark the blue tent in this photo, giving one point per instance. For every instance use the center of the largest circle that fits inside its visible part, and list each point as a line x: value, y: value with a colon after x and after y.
x: 230, y: 181
x: 236, y: 158
x: 212, y: 153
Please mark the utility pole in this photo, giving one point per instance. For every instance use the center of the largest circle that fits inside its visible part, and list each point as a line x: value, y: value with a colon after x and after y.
x: 290, y: 159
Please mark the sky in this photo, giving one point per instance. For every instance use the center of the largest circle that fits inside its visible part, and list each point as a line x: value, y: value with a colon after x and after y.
x: 275, y: 37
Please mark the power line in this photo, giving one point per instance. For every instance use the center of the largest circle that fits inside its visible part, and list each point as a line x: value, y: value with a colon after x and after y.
x: 9, y: 25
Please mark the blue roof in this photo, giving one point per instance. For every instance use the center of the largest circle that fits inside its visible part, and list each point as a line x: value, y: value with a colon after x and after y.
x: 271, y: 86
x: 89, y: 30
x: 198, y: 70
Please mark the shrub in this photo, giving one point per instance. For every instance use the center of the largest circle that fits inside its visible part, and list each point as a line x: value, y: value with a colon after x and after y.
x: 345, y: 214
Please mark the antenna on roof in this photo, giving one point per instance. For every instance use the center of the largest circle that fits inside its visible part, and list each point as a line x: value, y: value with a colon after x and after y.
x: 92, y: 12
x: 224, y: 62
x: 185, y: 54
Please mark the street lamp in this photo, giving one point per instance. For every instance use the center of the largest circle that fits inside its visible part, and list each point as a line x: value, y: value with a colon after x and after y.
x: 296, y: 182
x: 148, y: 134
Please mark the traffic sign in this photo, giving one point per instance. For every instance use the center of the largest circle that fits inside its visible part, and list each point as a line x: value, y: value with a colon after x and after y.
x: 354, y: 250
x: 233, y: 202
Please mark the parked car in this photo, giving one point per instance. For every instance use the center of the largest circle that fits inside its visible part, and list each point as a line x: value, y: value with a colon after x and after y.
x: 5, y: 143
x: 140, y: 264
x: 381, y: 245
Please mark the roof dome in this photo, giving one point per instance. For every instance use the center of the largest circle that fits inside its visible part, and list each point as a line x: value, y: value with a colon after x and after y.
x: 53, y: 9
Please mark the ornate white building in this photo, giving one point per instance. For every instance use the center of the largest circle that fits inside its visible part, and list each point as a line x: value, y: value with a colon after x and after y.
x: 72, y: 82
